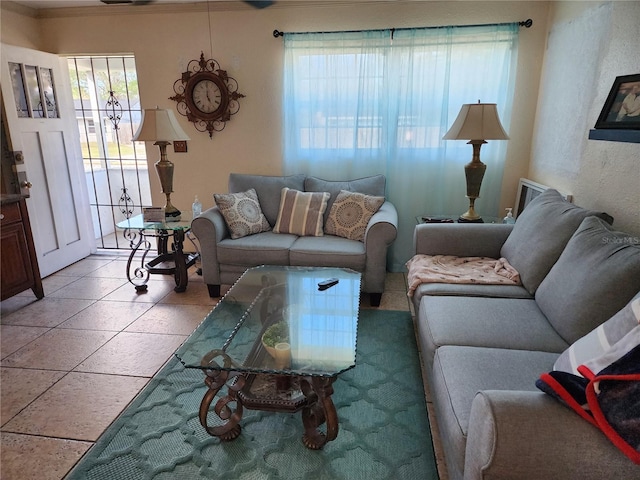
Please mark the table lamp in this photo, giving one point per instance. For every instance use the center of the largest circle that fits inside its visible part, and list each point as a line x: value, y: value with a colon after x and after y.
x: 476, y: 122
x: 161, y: 127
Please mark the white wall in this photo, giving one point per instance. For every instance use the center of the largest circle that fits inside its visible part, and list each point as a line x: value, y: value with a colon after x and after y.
x: 164, y: 40
x: 589, y: 45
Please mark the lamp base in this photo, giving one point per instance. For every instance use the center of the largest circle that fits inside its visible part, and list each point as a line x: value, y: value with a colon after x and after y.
x: 169, y: 210
x: 474, y: 173
x: 172, y: 213
x: 164, y: 169
x: 470, y: 216
x: 466, y: 220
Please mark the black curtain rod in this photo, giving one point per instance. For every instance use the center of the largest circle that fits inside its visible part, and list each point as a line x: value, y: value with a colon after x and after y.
x: 527, y: 23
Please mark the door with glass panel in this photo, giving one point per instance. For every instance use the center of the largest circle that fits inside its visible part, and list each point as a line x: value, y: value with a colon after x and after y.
x: 43, y: 137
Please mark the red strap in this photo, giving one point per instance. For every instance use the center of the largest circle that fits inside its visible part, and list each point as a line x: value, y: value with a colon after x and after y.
x: 602, y: 422
x: 586, y: 372
x: 568, y: 399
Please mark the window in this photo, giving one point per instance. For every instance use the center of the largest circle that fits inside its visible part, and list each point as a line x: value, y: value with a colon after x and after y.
x: 363, y: 103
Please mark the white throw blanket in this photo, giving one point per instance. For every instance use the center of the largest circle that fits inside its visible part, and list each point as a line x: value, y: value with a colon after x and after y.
x: 451, y: 269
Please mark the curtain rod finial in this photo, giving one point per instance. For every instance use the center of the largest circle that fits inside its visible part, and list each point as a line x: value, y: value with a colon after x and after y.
x: 527, y: 23
x: 277, y: 34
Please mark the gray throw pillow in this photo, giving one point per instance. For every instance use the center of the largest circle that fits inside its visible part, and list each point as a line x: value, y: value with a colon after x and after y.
x: 599, y: 340
x: 540, y: 234
x: 268, y: 189
x: 374, y: 185
x: 596, y: 275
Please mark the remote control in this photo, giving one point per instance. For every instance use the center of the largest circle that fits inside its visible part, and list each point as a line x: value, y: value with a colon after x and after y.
x: 328, y: 283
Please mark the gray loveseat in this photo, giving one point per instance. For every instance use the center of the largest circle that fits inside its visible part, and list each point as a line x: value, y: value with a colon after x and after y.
x: 484, y: 346
x: 224, y: 259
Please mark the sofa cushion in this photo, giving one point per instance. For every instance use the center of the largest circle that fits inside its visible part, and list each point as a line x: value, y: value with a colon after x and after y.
x: 510, y: 323
x: 266, y: 248
x: 350, y: 214
x: 470, y: 290
x: 599, y: 340
x: 596, y: 275
x: 374, y: 185
x: 268, y: 189
x: 540, y: 234
x: 459, y: 373
x: 328, y: 251
x: 242, y: 213
x: 301, y: 213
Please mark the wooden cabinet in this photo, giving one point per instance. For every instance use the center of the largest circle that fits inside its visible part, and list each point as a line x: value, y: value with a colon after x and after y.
x: 19, y: 266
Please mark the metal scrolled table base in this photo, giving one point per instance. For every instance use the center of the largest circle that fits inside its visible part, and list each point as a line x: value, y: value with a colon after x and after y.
x: 174, y: 262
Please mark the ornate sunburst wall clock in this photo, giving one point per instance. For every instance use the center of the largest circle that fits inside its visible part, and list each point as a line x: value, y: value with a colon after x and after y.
x: 206, y: 95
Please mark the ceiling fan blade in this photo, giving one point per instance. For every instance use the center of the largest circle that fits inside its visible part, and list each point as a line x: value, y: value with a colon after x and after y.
x: 259, y: 3
x: 126, y: 2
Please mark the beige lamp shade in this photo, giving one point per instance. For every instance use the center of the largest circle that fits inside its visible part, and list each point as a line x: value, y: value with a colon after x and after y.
x: 159, y: 125
x: 477, y: 121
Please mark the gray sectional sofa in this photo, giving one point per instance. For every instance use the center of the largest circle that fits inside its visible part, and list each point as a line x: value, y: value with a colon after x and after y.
x: 484, y: 346
x: 224, y: 259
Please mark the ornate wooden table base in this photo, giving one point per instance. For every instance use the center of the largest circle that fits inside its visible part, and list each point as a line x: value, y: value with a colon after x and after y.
x: 312, y: 395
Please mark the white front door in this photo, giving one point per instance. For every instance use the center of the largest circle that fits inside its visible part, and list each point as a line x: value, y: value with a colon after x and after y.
x: 42, y: 125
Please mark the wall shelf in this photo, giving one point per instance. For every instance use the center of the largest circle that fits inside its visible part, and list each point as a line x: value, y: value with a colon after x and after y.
x: 630, y: 136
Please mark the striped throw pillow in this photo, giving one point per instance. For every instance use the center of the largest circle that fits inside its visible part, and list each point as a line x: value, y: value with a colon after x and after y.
x: 301, y: 213
x: 599, y: 340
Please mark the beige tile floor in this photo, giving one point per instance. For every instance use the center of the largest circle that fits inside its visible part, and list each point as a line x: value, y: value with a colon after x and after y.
x: 71, y: 362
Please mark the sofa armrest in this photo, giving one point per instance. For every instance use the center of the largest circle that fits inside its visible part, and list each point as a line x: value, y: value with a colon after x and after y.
x: 381, y: 231
x: 210, y: 229
x: 517, y: 434
x: 460, y: 239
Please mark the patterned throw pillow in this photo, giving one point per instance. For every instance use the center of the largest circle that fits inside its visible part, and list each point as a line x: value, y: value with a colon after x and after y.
x: 350, y: 214
x: 242, y: 213
x: 301, y: 213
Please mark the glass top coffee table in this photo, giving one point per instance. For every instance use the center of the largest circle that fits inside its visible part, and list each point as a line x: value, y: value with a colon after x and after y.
x: 277, y: 341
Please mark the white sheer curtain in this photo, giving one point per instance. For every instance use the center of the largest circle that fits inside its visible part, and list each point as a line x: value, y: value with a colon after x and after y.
x: 363, y: 103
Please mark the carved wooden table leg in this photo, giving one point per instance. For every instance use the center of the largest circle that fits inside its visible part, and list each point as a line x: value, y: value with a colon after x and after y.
x: 320, y: 409
x: 215, y: 380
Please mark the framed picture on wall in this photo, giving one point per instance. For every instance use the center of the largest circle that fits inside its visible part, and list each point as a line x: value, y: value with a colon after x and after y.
x: 622, y: 108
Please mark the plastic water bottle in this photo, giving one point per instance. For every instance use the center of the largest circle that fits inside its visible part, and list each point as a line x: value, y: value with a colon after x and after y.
x: 196, y: 208
x: 509, y: 217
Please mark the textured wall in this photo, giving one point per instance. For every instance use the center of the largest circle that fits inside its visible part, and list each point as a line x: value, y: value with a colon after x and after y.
x: 589, y: 45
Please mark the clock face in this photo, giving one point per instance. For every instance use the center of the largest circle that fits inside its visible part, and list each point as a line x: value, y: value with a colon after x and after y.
x: 207, y: 96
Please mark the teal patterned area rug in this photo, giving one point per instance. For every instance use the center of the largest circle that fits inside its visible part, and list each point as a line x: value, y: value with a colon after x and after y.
x: 384, y: 429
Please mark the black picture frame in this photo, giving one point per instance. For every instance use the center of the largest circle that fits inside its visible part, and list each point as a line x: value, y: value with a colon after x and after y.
x: 612, y: 115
